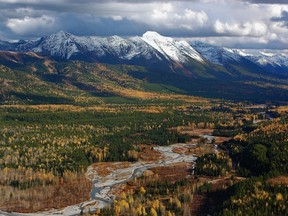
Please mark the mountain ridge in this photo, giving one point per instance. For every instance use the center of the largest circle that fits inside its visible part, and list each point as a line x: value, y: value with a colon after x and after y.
x: 151, y: 47
x: 161, y: 63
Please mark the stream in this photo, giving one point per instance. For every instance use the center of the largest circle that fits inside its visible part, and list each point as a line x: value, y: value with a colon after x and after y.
x: 101, y: 189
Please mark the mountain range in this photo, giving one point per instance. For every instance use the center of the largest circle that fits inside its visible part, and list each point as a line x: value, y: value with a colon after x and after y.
x: 192, y: 67
x: 148, y: 49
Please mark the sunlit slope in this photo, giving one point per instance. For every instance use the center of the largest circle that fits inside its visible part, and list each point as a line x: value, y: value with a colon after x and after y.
x: 32, y: 79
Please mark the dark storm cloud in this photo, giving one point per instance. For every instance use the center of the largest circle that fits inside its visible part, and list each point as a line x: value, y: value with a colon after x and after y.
x: 28, y: 19
x: 282, y: 18
x: 86, y: 16
x: 90, y: 25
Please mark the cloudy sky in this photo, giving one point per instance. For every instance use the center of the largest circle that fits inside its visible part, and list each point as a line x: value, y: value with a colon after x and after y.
x: 232, y: 23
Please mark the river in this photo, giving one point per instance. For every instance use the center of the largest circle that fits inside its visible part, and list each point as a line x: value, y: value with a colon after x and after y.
x: 101, y: 193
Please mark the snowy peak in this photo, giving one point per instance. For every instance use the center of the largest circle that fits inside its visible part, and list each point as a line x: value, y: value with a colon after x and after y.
x: 154, y: 36
x: 179, y: 51
x: 221, y: 55
x: 159, y: 43
x: 60, y: 37
x: 274, y: 58
x: 60, y: 45
x: 217, y: 55
x: 62, y: 34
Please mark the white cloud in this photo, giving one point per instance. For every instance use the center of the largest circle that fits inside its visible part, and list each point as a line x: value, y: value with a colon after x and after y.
x: 117, y: 18
x: 279, y: 33
x: 254, y: 29
x: 276, y: 10
x: 171, y: 16
x: 29, y: 25
x: 199, y: 17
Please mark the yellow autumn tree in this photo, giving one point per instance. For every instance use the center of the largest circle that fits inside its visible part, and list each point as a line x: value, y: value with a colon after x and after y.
x: 153, y: 212
x: 169, y: 213
x: 279, y: 197
x: 156, y: 204
x: 142, y: 190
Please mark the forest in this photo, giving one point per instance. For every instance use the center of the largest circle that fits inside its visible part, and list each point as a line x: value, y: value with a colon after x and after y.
x: 247, y: 176
x: 46, y: 149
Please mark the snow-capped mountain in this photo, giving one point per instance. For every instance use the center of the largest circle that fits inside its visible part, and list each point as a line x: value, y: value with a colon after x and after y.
x: 217, y: 55
x: 269, y: 58
x: 149, y: 50
x: 178, y: 51
x: 6, y: 45
x: 221, y: 55
x: 271, y: 61
x: 63, y: 45
x: 151, y: 45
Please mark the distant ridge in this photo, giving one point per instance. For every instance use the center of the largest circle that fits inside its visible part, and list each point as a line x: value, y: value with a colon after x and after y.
x: 151, y: 49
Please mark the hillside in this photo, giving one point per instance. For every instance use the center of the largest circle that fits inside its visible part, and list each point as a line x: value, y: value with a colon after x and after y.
x: 32, y: 78
x: 62, y: 66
